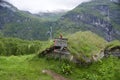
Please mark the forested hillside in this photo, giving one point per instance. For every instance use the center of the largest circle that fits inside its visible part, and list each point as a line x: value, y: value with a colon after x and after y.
x: 99, y: 16
x: 22, y: 24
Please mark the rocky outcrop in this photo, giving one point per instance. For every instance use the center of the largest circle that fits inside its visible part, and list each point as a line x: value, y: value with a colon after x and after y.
x: 13, y: 17
x: 115, y: 51
x: 96, y: 22
x: 101, y: 17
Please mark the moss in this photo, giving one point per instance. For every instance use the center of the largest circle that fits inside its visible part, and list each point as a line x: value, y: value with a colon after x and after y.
x: 85, y: 43
x: 112, y: 44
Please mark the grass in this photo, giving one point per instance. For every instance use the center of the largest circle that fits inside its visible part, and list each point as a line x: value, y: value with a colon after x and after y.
x: 113, y: 44
x: 85, y: 43
x: 108, y: 69
x: 29, y: 67
x: 22, y: 68
x: 15, y: 46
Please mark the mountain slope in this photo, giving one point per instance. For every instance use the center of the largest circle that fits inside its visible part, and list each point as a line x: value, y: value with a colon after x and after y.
x: 99, y: 16
x: 21, y: 24
x: 51, y: 16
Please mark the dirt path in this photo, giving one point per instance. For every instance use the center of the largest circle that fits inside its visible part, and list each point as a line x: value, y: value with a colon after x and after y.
x: 54, y: 75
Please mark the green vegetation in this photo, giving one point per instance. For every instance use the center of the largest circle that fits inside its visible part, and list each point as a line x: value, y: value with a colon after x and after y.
x: 25, y: 25
x: 88, y: 15
x: 14, y: 46
x: 84, y: 17
x: 93, y: 8
x: 19, y: 59
x: 66, y: 68
x: 50, y: 16
x: 30, y: 30
x: 85, y: 43
x: 108, y: 69
x: 23, y: 68
x: 113, y: 44
x: 30, y: 67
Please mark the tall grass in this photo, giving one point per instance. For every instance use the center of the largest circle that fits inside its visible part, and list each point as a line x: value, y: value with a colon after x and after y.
x: 85, y: 43
x: 29, y: 67
x: 14, y: 46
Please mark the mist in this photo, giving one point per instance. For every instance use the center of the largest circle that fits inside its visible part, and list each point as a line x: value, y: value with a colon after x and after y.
x: 36, y: 6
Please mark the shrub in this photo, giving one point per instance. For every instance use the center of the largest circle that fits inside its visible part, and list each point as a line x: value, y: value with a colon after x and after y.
x: 14, y: 46
x: 66, y: 68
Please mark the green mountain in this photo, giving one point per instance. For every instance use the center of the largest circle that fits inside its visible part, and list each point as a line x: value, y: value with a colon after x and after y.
x: 99, y: 16
x: 51, y: 16
x: 21, y: 24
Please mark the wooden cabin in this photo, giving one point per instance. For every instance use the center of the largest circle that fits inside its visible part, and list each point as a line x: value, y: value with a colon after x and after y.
x: 60, y: 45
x: 58, y: 49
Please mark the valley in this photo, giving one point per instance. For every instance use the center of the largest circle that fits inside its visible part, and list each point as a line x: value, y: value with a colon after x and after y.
x: 87, y: 39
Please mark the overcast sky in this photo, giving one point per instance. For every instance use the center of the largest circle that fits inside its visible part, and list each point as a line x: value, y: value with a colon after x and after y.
x: 35, y: 6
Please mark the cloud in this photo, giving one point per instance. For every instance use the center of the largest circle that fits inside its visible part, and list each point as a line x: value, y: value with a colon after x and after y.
x: 35, y: 6
x: 1, y: 1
